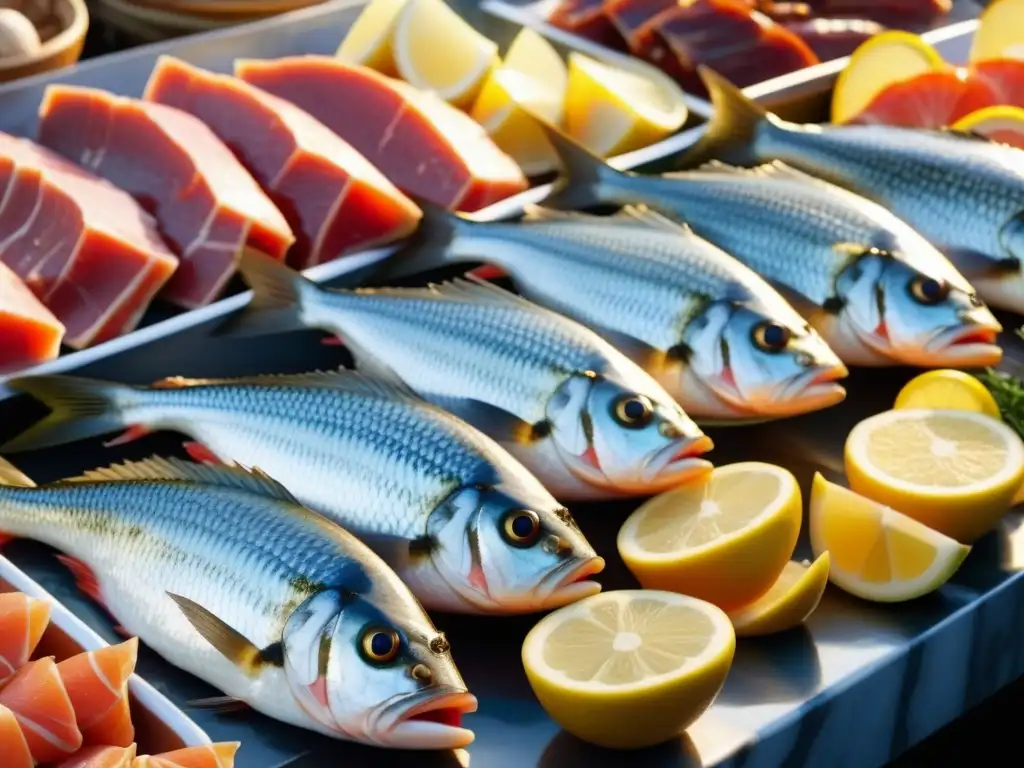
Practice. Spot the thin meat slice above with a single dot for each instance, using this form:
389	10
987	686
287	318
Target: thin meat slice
101	757
23	620
206	756
29	332
208	207
116	726
13	746
37	697
428	148
95	683
335	200
84	247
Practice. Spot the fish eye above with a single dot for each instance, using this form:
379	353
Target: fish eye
633	411
928	290
771	337
521	527
380	645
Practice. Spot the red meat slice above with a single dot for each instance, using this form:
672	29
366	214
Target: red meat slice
208	207
84	247
587	18
333	198
29	333
425	146
832	39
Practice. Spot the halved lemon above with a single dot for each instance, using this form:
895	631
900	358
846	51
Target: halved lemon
436	50
876	552
789	603
1000	33
954	471
1001	123
629	669
947	389
887	58
724	538
611	110
368	41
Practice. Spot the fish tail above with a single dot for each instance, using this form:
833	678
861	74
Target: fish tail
80	408
585	176
279	295
12	476
432	246
732	130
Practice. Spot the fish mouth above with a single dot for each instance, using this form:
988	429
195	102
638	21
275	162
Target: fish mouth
573	582
813	390
433	722
972	346
680	461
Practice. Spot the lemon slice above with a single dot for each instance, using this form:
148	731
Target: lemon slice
368	42
876	552
954	471
724	538
790	601
887	58
534	57
1000	33
949	390
1001	123
629	669
436	50
611	110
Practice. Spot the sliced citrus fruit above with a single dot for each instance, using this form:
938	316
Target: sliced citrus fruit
876	552
947	389
930	100
885	59
1004	77
611	110
1000	33
504	110
368	41
436	50
790	601
631	668
1002	124
534	57
724	538
954	471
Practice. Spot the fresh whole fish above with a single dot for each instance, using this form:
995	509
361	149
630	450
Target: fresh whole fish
586	420
464	524
224	574
878	292
962	192
720	339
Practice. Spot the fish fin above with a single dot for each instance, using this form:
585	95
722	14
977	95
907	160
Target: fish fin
652	218
487	272
478	291
130	435
11	475
651	359
583	172
232	644
972	264
776	169
733	126
804	305
85	578
489	419
80	408
278	296
338	378
253	480
200	454
219	704
432	246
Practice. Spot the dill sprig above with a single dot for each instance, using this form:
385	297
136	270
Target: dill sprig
1008	392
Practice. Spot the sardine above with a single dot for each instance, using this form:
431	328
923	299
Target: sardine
586	420
225	575
464	524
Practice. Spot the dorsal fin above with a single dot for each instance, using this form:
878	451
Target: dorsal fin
342	379
535	212
469	289
775	169
170	469
651	218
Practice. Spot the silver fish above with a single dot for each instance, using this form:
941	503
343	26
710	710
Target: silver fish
464	524
587	421
965	194
225	575
876	290
720	340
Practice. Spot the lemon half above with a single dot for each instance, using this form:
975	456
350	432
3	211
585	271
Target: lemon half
368	42
947	389
1000	33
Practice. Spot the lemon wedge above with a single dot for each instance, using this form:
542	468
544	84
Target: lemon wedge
724	538
876	552
535	58
1000	33
954	471
947	389
368	42
612	110
436	50
1000	123
789	602
887	58
631	668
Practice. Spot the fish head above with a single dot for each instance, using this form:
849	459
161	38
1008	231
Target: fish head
375	671
510	550
625	433
754	361
915	316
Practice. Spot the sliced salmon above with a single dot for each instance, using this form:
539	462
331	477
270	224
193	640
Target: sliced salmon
84	247
335	200
115	727
13	746
23	620
29	332
207	756
424	145
38	699
95	682
101	757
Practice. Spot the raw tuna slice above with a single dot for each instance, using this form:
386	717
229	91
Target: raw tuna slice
84	247
23	620
424	145
37	697
101	757
13	746
206	204
334	199
95	681
29	333
206	756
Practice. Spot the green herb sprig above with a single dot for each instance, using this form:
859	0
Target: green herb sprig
1008	392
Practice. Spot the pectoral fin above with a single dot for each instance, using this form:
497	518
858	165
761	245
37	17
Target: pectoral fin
499	424
220	704
231	643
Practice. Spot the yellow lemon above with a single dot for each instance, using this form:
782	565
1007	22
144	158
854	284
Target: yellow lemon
876	552
1000	33
436	50
629	669
947	389
535	58
1000	123
790	601
724	538
368	41
954	471
887	58
611	110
